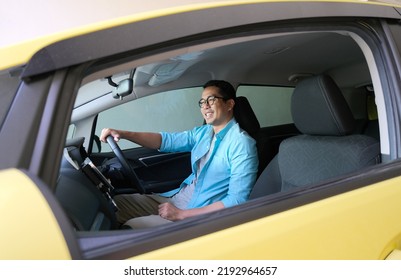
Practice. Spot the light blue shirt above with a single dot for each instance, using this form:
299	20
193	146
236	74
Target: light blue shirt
229	174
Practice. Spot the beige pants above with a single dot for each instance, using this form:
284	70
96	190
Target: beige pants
139	211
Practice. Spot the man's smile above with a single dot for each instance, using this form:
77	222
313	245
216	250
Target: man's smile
209	114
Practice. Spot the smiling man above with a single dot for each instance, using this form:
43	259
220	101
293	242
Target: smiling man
223	158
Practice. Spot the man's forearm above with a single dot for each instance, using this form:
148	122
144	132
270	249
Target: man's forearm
203	210
145	139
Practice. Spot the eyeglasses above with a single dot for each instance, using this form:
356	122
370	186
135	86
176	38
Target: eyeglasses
210	101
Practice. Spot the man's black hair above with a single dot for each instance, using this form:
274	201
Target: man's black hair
225	88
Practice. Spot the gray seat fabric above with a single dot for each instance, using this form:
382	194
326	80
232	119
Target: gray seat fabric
326	149
248	121
246	117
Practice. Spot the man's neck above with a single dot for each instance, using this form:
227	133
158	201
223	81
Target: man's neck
220	127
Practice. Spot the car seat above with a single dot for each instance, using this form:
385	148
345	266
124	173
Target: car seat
326	147
245	116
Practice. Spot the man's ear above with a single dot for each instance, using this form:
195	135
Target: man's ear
231	104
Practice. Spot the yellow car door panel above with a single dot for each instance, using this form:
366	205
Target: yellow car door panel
33	230
353	225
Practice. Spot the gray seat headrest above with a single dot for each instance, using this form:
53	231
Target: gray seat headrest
319	108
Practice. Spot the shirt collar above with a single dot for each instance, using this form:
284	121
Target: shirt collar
224	131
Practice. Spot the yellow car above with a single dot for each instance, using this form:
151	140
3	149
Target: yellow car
321	88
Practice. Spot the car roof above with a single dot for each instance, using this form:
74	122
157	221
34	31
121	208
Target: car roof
49	25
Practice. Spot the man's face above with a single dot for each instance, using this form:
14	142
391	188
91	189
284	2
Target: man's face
217	112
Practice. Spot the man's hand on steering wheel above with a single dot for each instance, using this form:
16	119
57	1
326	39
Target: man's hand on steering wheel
111	136
112	132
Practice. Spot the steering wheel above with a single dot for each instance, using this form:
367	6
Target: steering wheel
127	170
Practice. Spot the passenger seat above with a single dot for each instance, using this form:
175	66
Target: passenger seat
327	146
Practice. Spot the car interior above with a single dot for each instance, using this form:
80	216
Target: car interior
306	96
